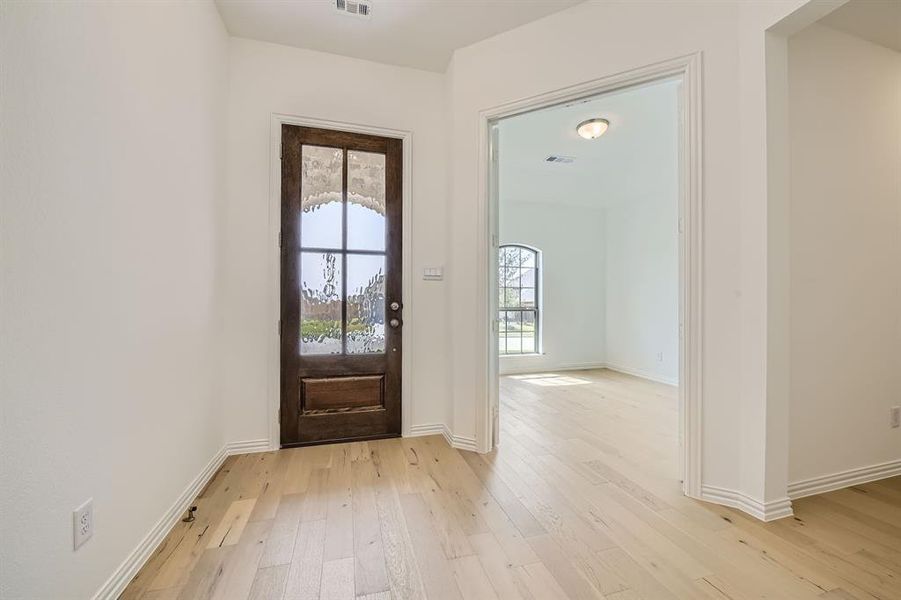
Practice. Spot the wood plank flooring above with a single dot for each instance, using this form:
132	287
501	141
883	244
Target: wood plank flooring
580	501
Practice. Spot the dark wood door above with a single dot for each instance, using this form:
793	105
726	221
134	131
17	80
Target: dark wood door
341	307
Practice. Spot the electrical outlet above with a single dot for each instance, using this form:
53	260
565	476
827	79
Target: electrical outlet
896	416
660	357
83	523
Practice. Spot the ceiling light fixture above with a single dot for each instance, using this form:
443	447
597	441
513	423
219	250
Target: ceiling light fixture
592	128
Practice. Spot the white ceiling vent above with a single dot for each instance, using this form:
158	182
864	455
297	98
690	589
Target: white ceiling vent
354	8
556	158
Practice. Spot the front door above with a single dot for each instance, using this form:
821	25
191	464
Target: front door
340	286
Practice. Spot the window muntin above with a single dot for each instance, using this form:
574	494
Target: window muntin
518	300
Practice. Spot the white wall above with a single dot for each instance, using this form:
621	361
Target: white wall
571	241
642	287
845	124
642	248
266	79
112	169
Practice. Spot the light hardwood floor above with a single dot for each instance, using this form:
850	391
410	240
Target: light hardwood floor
580	501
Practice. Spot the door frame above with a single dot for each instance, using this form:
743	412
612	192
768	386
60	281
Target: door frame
274	260
691	221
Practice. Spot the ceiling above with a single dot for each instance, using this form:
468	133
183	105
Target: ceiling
413	33
877	21
636	159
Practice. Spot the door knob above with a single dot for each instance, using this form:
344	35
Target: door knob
394	323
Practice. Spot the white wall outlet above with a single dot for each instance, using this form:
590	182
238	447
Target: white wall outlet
83	523
896	416
660	357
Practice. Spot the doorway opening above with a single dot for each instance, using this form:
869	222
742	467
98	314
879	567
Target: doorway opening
593	277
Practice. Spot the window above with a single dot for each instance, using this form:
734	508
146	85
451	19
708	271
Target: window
518	298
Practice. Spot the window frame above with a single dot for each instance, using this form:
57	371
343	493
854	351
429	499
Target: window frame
536	310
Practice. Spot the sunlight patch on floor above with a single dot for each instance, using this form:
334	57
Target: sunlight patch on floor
550	379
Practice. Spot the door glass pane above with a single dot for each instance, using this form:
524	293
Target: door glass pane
320	303
365	200
365	303
320	197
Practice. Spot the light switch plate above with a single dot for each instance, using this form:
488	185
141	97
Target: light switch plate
433	273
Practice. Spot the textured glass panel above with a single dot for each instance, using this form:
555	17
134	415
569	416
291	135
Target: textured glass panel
365	200
365	304
321	199
528	332
320	303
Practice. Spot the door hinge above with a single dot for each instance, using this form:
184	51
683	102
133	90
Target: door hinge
279	327
279	239
494	241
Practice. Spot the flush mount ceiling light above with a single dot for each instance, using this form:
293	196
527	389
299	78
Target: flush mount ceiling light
592	129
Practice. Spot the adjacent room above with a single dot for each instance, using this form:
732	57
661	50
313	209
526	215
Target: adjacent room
450	300
588	274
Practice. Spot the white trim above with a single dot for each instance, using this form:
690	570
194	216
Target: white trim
674	381
136	559
765	511
430	429
843	479
528	370
275	213
250	446
459	442
691	267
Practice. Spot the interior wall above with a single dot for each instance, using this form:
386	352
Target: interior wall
111	160
571	241
642	248
266	79
845	125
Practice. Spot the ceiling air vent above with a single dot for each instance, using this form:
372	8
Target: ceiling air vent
556	158
354	8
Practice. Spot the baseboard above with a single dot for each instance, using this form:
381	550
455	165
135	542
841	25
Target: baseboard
843	479
765	511
117	583
454	441
642	374
249	447
548	368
